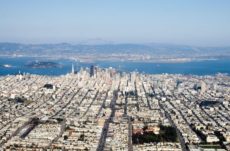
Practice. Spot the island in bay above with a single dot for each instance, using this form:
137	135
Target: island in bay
43	64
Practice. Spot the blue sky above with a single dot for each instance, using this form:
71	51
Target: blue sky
192	22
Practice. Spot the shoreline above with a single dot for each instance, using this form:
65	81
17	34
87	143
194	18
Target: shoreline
159	60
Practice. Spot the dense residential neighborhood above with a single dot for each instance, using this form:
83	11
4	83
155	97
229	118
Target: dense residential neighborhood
103	109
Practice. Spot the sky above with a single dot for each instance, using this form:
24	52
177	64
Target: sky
190	22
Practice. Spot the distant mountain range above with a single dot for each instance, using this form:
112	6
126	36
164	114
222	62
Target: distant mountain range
150	52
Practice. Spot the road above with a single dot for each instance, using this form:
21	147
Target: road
136	97
130	144
17	131
63	126
146	97
102	105
106	124
70	100
181	139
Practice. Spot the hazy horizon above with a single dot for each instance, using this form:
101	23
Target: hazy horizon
194	23
90	43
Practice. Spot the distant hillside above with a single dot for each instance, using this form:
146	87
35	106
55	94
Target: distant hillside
150	50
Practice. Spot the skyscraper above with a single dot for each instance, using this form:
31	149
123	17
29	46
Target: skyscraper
92	71
72	69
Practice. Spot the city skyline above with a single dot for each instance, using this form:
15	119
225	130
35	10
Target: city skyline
117	75
103	109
